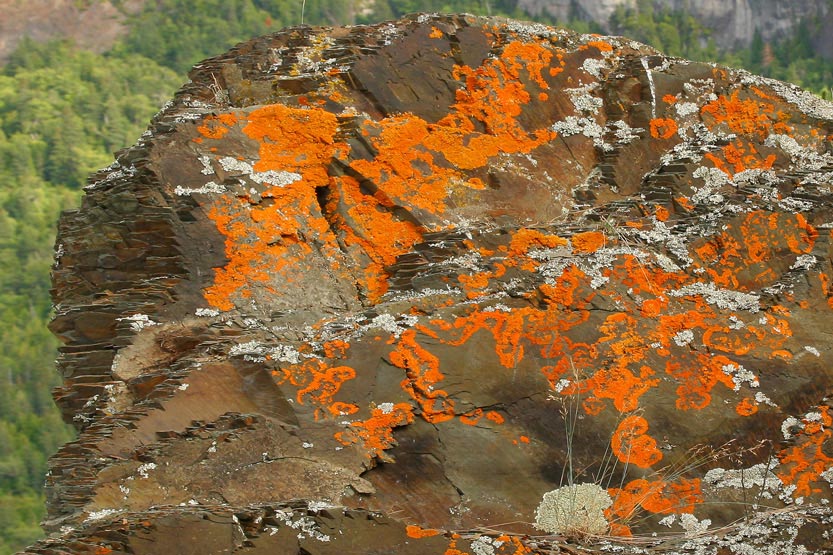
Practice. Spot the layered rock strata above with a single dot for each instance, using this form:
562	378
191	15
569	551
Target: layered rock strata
380	289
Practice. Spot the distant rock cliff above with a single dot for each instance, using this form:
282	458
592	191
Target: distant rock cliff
93	26
733	23
381	289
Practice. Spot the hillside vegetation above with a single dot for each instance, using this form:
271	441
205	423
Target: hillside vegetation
64	111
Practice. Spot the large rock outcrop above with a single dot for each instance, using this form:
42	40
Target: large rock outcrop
380	289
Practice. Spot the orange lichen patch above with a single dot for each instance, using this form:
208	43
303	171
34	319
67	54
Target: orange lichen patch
570	291
342	409
601	45
505	327
621	336
739	256
417	532
512	545
619	530
264	241
216	127
493	96
335	348
619	385
295	140
404	167
376	433
658	497
373	229
684	203
739	156
452	547
662	213
495	417
632	445
697	380
587	242
474	284
318	383
435	33
525	240
670	99
663	128
651	308
747	407
471	418
423	374
744	116
803	463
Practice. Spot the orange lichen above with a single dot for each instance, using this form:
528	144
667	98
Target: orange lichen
696	382
663	128
744	116
747	406
632	445
376	433
336	348
216	127
670	99
264	241
495	417
524	240
342	409
269	240
658	497
471	418
512	545
587	242
493	97
318	384
739	156
417	532
619	385
435	33
739	256
803	463
404	167
370	227
423	374
601	45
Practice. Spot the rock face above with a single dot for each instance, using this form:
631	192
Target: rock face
379	289
732	24
93	26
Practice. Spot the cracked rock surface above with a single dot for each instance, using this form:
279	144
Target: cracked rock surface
379	289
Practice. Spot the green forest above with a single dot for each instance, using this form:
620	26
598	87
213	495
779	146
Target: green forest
64	111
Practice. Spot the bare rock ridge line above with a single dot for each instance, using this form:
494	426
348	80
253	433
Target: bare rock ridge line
380	289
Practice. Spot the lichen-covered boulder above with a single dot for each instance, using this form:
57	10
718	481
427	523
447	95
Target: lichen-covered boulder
379	289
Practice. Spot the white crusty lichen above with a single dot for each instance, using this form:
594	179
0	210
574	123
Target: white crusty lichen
722	298
761	477
305	525
484	545
210	187
138	321
103	513
576	510
272	177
